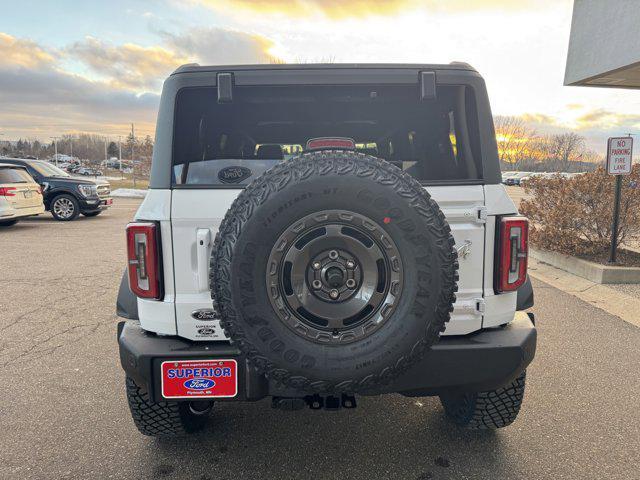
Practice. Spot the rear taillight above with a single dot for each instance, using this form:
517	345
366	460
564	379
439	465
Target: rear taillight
143	255
512	253
7	191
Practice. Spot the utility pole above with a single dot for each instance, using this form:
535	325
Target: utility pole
120	155
55	147
133	163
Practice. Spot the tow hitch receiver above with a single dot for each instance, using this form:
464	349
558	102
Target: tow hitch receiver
315	402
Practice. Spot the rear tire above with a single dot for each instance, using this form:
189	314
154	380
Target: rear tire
8	223
486	410
163	419
65	208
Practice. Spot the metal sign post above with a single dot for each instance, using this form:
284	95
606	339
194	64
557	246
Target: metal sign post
619	157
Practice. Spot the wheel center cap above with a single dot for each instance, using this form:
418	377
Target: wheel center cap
334	277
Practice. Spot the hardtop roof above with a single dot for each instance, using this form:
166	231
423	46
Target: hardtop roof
194	67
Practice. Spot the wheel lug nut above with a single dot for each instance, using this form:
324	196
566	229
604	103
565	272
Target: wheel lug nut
350	264
351	283
333	254
317	284
334	294
317	265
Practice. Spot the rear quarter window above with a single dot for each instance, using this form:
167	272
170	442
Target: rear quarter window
14	175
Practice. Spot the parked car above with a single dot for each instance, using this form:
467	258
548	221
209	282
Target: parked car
65	196
20	195
335	273
526	178
514	179
87	171
506	175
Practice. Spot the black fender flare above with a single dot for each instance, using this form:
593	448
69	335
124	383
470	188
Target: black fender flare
525	295
127	302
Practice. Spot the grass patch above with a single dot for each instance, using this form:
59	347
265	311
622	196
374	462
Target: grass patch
128	183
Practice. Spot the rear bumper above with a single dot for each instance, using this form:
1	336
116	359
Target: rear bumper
481	361
11	213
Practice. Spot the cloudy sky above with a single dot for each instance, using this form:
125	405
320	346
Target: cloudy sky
95	66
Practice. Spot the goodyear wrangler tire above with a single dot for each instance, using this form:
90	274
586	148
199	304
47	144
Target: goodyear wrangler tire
334	272
163	419
486	410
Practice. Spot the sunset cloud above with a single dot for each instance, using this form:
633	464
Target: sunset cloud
116	84
39	97
16	52
605	119
360	8
220	46
129	65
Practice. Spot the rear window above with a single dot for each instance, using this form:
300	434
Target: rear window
219	144
14	175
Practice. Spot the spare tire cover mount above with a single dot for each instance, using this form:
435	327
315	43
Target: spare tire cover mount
334	276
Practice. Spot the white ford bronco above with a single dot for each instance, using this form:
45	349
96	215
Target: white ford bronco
314	233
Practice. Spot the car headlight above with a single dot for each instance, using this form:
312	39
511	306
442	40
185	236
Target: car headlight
88	190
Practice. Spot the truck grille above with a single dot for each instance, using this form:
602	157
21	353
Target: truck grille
104	191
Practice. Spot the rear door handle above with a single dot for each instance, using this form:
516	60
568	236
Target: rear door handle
203	239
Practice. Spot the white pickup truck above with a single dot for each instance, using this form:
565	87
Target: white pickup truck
314	233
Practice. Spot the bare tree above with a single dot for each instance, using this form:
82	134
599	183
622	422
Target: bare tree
567	147
515	139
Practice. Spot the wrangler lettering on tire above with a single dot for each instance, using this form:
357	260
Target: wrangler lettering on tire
334	272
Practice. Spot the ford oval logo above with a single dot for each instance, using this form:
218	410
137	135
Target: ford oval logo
204	314
199	383
234	174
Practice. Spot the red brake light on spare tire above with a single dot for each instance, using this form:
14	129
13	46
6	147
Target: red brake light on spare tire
143	258
512	253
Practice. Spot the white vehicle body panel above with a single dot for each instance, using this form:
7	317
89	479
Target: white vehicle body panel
190	218
194	212
159	316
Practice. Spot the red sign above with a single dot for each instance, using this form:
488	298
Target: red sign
619	155
199	378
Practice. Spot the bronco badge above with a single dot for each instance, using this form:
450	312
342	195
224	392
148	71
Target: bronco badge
234	174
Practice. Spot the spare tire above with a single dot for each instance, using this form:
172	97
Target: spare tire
334	272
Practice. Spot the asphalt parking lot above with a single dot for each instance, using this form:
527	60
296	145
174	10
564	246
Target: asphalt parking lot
63	412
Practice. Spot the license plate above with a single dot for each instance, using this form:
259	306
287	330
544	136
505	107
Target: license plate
199	378
108	201
28	194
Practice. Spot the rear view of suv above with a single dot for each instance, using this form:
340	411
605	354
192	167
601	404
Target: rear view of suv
20	195
313	233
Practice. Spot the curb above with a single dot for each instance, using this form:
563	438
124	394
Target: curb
593	272
607	298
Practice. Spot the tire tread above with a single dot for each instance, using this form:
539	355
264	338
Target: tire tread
296	170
